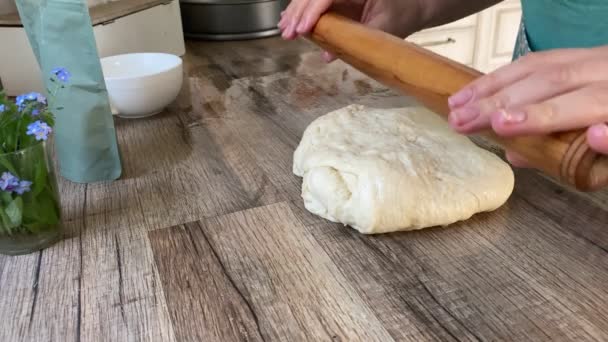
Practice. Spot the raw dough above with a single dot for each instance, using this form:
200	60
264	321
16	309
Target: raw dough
385	170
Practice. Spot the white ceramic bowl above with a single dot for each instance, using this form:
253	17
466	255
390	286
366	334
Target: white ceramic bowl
142	84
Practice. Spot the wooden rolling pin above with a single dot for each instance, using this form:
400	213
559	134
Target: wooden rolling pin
431	79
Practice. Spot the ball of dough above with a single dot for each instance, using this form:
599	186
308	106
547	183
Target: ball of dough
386	170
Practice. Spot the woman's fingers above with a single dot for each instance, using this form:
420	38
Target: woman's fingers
540	95
469	119
292	17
465	115
534	88
489	84
580	108
311	15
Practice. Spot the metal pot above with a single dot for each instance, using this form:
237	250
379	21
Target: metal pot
231	19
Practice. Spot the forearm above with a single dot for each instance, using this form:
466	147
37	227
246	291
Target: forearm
438	12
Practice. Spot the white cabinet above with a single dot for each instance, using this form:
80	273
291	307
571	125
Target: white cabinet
496	34
455	40
456	43
484	41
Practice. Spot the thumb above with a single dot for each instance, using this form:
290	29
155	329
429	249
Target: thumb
597	137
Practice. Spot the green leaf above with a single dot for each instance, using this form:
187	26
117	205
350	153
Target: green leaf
30	211
48	117
14	211
49	210
6	198
8	165
44	209
40	179
5	221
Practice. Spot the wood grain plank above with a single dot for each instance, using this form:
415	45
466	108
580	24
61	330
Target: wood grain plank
269	146
40	295
556	203
18	275
258	250
258	188
203	302
410	305
72	196
121	294
178	169
54	313
101	283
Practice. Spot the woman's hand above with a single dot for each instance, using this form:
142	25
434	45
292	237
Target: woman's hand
392	16
540	93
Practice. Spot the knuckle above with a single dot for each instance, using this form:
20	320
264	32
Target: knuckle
482	86
563	75
501	101
493	103
493	78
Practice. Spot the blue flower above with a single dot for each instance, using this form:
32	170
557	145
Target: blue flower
23	187
40	99
20	100
33	96
39	129
8	182
2	108
35	111
62	74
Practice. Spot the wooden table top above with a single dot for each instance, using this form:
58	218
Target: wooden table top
205	237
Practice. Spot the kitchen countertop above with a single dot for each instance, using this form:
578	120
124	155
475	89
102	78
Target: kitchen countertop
205	237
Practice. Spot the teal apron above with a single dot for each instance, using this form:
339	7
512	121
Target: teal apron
555	24
61	35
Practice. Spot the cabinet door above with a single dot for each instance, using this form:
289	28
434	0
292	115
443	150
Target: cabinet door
454	40
496	34
457	44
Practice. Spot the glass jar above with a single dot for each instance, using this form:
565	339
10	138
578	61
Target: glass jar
30	211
